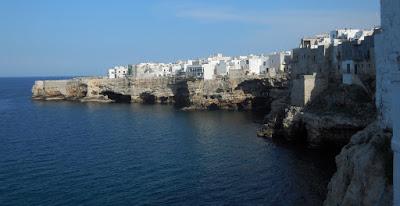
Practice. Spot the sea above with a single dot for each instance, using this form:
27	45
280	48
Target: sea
71	153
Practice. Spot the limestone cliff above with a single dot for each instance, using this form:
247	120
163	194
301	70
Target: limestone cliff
341	116
364	170
59	90
229	94
330	119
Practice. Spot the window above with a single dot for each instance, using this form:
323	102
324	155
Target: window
348	68
355	68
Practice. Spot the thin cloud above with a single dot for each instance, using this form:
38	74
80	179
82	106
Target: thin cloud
288	19
279	30
215	15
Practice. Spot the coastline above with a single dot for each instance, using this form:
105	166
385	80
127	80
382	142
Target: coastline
326	122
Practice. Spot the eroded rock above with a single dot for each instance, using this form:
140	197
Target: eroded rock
364	170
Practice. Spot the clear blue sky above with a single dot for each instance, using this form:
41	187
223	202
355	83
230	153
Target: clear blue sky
85	37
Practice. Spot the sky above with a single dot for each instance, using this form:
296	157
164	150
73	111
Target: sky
86	37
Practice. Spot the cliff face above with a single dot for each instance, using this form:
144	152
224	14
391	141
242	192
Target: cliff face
331	119
59	90
364	173
236	94
341	117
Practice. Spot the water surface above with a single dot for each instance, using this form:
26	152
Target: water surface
63	153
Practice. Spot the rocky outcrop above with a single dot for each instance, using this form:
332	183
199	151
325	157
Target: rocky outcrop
236	94
341	117
273	122
329	120
364	170
59	90
331	130
227	94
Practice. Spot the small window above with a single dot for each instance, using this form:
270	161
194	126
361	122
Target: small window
348	68
355	69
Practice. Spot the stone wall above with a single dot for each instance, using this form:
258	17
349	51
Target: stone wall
305	88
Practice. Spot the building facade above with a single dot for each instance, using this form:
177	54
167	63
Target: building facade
387	55
118	72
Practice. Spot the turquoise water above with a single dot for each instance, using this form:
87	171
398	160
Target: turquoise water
63	153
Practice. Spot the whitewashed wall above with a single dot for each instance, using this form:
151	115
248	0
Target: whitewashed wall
387	54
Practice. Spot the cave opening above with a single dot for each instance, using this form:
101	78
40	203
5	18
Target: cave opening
148	98
117	97
181	95
213	107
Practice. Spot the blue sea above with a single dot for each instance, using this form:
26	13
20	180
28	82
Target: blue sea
68	153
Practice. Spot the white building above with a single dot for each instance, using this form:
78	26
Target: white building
117	72
111	74
255	64
209	68
276	62
195	70
348	71
387	56
201	70
340	35
222	68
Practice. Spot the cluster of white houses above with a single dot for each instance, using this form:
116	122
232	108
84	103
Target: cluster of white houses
344	54
209	68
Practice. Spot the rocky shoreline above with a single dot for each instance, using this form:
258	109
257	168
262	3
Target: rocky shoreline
341	117
187	94
330	119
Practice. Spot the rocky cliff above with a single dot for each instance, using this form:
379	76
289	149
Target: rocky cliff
341	117
330	120
364	170
230	94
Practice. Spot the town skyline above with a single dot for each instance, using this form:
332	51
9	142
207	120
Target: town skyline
73	38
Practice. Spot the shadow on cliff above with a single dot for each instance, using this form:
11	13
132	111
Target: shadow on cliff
181	94
148	98
117	97
343	101
259	89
